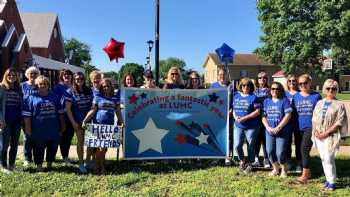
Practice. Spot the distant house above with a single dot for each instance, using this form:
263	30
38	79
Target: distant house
31	39
244	65
15	50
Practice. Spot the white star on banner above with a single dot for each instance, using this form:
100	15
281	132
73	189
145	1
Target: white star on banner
150	137
202	138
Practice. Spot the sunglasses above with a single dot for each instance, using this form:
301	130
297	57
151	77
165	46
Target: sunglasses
331	88
195	78
245	85
262	77
303	83
275	89
292	81
174	73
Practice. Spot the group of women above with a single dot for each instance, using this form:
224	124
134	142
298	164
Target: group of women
267	116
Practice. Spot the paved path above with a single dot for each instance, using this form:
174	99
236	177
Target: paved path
112	152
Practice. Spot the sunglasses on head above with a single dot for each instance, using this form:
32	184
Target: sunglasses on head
331	88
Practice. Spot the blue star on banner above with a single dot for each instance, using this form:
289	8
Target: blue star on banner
213	97
143	95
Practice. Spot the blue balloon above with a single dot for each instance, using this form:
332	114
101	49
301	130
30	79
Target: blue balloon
225	53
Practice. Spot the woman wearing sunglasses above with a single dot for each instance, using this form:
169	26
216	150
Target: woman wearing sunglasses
292	89
246	111
262	92
174	79
277	112
78	101
329	124
304	102
194	81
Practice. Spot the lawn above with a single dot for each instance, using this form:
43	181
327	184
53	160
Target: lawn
159	179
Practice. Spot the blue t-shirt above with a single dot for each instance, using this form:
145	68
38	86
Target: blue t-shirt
44	112
60	90
325	108
13	107
244	105
275	111
305	106
217	85
81	103
262	94
95	91
290	96
106	108
28	89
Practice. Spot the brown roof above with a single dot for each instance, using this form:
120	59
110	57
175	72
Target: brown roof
279	74
241	60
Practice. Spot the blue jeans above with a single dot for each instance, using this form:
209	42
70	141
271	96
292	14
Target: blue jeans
239	136
276	146
10	138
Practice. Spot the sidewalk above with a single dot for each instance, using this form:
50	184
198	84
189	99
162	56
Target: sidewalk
112	152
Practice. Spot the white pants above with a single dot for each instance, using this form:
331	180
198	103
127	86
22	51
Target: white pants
328	160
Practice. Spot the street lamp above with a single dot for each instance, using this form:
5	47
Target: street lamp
148	58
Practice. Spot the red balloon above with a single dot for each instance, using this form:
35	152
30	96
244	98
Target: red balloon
114	49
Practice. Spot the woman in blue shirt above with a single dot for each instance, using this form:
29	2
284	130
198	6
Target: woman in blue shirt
10	117
66	80
262	92
292	89
44	122
246	111
305	102
28	88
78	101
277	113
104	108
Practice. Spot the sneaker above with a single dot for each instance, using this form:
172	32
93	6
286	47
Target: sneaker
325	184
256	162
39	169
330	187
89	165
289	165
67	162
4	170
298	169
49	166
267	163
82	169
228	162
248	169
26	163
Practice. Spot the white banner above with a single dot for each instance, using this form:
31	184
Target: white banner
102	136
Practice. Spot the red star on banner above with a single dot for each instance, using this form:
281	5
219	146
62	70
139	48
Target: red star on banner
221	102
133	99
181	139
205	125
178	122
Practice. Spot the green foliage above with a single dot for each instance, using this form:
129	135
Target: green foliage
88	69
161	179
297	32
165	65
112	74
133	68
81	52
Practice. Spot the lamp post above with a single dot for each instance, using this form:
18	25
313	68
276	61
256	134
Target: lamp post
157	42
148	58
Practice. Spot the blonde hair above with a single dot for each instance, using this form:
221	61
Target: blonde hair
329	83
179	80
41	78
305	76
247	81
93	74
31	69
6	84
288	78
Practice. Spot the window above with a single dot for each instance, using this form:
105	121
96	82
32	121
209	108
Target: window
243	73
347	86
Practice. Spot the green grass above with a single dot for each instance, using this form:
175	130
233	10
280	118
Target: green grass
341	96
158	179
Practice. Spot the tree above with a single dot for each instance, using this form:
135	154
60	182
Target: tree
112	74
77	52
88	69
133	68
296	33
165	65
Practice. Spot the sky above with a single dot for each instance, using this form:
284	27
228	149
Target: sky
189	29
